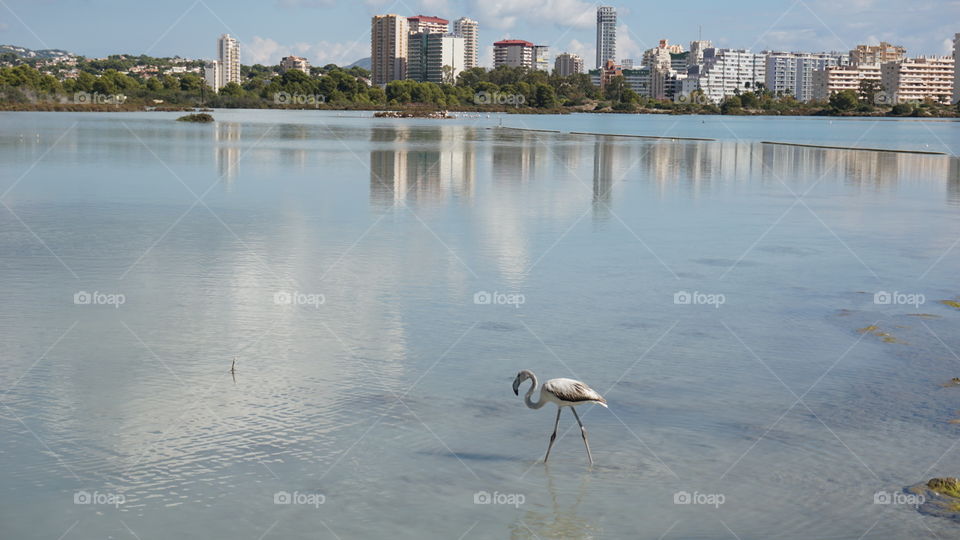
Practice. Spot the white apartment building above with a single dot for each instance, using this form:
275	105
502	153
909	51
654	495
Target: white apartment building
389	36
918	79
606	35
696	52
469	30
212	74
226	69
792	73
725	72
541	58
436	58
839	78
513	53
568	64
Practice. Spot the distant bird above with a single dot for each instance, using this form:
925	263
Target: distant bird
564	393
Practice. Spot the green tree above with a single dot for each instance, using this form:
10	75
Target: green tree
869	90
545	97
844	101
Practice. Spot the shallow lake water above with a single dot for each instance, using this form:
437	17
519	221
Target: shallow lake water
379	283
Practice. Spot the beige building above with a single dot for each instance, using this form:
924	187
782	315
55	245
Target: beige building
839	78
918	79
568	64
295	62
389	35
468	29
877	54
513	53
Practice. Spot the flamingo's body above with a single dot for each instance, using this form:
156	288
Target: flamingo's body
562	393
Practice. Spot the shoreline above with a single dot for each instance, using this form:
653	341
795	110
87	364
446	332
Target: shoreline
425	111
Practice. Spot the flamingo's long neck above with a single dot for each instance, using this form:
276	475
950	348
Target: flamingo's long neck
533	387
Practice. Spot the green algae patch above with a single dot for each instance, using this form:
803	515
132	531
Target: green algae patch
884	336
952	303
938	497
200	118
923	315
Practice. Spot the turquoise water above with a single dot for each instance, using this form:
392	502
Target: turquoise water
339	259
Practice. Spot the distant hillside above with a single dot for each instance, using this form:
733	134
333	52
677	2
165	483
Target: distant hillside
23	52
365	63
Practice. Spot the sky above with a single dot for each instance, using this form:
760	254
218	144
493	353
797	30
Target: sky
338	31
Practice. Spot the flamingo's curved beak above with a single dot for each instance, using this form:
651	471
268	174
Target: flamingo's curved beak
516	386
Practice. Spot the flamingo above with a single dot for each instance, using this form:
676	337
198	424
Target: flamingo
564	393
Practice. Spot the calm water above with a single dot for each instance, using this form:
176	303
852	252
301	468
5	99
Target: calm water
339	260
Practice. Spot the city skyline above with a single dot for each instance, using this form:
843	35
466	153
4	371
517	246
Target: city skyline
331	31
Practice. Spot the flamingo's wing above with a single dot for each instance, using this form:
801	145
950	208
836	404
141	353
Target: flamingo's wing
573	391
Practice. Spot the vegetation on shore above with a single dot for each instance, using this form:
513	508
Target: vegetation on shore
100	86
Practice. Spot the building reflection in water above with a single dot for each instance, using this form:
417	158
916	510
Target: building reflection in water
421	176
516	155
604	156
226	138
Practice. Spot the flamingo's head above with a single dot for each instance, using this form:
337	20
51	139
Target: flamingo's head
522	376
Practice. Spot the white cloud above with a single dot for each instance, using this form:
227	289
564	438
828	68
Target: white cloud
269	52
505	14
627	46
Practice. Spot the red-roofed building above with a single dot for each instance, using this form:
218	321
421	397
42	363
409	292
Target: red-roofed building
428	25
513	53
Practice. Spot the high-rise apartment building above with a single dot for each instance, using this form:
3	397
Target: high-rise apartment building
956	68
568	64
696	52
877	54
468	29
918	79
725	72
422	24
792	73
541	58
226	69
389	35
513	53
606	35
434	57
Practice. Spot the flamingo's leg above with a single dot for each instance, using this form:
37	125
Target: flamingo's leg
554	436
583	431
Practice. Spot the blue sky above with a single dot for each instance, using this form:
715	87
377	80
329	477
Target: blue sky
338	30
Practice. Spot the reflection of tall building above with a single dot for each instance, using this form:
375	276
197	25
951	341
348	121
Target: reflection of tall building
603	176
953	182
227	147
420	176
517	156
